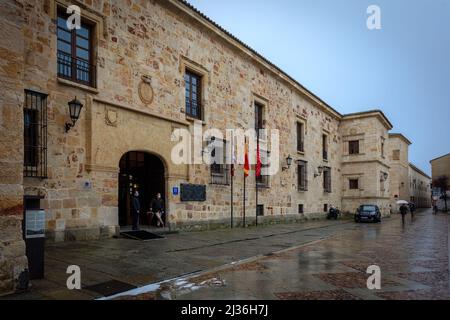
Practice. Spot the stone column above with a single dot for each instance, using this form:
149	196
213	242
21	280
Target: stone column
13	262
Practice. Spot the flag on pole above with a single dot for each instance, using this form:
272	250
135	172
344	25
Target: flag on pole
246	162
258	162
233	156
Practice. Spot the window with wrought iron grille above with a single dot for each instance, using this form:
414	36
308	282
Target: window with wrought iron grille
262	181
327	179
302	176
35	134
220	171
193	94
75	52
300	137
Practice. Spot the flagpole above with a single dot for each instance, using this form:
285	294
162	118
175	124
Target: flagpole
232	202
256	178
245	178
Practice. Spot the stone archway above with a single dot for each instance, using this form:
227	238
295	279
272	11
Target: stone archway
146	173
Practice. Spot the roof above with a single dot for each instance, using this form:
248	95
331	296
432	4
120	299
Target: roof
419	171
401	136
369	113
231	38
448	154
254	52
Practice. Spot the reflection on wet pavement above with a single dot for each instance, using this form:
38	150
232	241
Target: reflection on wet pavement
413	259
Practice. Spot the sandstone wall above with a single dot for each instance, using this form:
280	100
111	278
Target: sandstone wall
13	262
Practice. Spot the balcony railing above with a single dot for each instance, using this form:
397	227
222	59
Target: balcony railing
75	69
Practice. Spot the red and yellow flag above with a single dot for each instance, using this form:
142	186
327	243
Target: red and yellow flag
258	162
246	162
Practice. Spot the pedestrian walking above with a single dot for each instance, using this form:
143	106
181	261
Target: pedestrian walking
403	211
412	208
136	209
157	207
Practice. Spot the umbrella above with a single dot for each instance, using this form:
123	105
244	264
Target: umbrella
402	202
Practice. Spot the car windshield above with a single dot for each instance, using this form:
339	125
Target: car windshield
368	208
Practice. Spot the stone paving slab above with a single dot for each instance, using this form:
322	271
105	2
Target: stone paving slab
414	261
140	263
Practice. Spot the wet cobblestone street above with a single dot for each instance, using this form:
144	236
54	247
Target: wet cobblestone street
413	259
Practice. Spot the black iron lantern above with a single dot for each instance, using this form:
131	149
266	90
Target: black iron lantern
75	107
289	161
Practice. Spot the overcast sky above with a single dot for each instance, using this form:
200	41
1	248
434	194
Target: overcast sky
402	69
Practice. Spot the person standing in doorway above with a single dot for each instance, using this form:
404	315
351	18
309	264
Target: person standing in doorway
157	207
136	209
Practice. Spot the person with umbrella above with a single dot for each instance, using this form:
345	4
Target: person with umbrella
403	209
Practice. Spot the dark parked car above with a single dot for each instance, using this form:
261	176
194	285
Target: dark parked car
368	212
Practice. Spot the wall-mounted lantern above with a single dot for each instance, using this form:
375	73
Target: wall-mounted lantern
288	162
319	172
75	107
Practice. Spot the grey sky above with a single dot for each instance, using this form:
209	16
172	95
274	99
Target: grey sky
403	69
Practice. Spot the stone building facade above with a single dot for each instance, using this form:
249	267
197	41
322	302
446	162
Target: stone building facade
397	152
130	66
440	167
420	187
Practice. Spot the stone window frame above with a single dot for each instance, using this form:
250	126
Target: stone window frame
99	28
353	137
303	122
355	176
325	143
302	182
396	155
352	185
264	103
189	65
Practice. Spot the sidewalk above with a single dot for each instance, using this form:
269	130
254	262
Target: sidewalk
136	263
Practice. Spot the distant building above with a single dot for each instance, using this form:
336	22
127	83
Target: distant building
440	167
420	187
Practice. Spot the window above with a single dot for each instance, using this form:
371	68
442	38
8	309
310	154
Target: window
353	184
259	117
75	54
302	176
325	207
260	210
300	137
35	134
382	147
193	95
219	168
396	155
300	209
327	179
353	147
325	147
263	180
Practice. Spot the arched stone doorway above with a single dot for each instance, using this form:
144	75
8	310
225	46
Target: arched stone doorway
144	172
